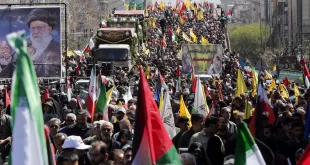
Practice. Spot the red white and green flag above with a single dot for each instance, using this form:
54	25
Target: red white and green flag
29	144
86	51
247	152
91	97
151	143
102	99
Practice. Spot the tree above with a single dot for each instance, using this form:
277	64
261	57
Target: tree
246	40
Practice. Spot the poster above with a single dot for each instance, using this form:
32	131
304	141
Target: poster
292	75
206	59
43	30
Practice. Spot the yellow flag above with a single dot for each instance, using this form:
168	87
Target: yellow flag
275	67
154	25
126	6
178	30
186	38
187	4
184	111
213	80
146	12
147	72
192	7
192	34
283	91
150	22
241	87
272	85
268	76
205	100
204	41
161	101
147	52
181	21
296	93
248	111
200	15
134	7
161	6
254	83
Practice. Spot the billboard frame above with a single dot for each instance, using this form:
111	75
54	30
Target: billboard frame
61	6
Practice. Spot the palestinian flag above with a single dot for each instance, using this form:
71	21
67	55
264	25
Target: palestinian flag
263	107
247	152
29	143
151	142
86	51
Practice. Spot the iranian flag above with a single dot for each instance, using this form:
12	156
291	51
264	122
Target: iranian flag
151	142
91	97
247	152
29	143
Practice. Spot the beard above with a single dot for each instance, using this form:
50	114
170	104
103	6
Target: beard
40	40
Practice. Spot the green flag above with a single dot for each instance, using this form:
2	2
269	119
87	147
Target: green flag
102	100
247	152
29	143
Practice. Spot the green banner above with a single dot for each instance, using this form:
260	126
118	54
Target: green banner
292	75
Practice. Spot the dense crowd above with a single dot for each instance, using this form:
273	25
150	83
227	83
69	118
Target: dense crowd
210	141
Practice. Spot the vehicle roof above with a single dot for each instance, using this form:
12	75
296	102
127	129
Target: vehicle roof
82	81
130	12
203	75
115	29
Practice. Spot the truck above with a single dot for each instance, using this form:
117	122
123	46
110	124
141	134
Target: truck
114	48
130	19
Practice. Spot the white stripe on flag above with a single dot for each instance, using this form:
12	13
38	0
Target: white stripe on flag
27	149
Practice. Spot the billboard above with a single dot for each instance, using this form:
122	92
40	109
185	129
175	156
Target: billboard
207	59
292	75
43	30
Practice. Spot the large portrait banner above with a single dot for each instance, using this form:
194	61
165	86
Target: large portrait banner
43	30
204	59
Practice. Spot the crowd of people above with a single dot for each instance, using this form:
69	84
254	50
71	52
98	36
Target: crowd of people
210	141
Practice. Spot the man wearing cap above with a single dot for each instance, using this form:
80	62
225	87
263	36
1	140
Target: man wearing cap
119	114
46	50
76	145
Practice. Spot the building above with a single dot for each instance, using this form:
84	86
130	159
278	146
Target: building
291	25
